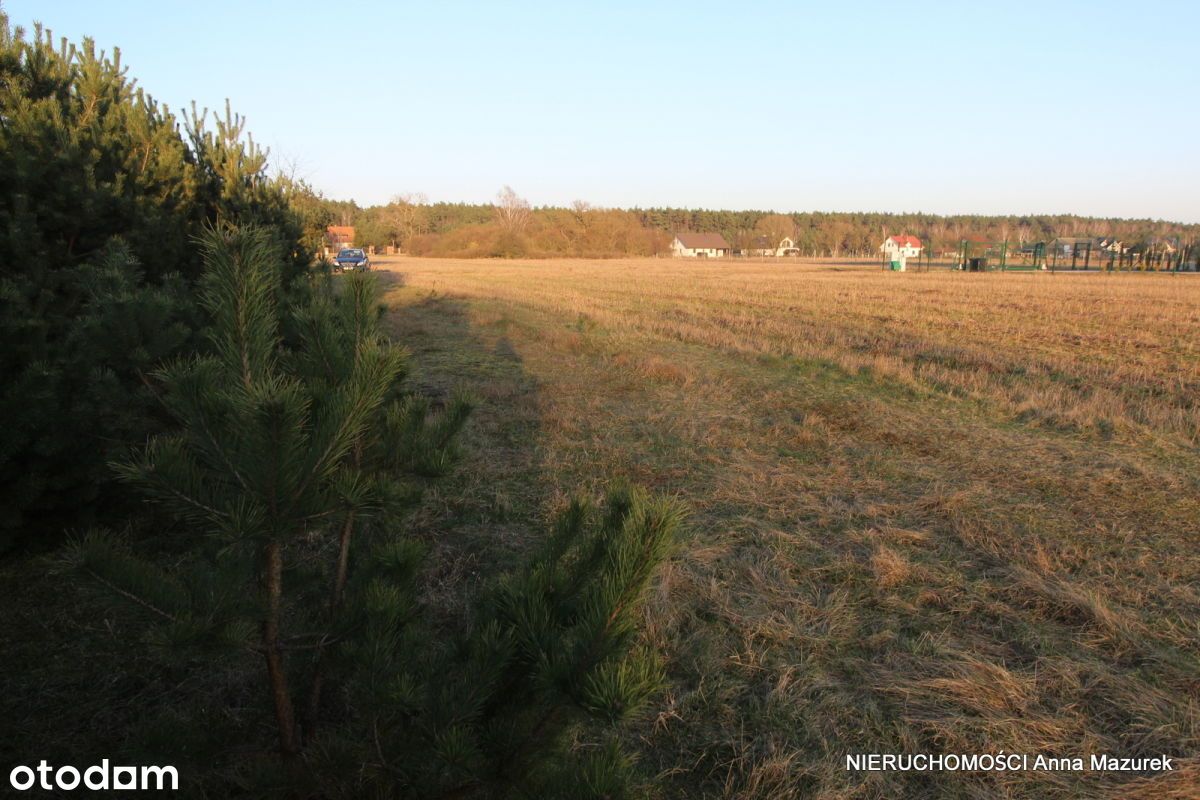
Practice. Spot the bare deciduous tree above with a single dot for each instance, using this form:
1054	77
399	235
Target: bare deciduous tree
581	209
406	214
937	231
512	210
775	227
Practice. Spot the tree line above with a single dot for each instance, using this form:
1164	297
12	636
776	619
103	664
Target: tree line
209	440
414	225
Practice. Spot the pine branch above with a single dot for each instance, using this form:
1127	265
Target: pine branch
171	491
129	595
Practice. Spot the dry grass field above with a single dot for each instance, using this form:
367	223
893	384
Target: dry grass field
930	512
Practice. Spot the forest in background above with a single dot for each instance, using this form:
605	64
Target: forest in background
512	228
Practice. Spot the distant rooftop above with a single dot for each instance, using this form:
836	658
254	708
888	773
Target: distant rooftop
702	241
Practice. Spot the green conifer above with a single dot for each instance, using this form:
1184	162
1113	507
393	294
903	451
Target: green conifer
295	455
101	196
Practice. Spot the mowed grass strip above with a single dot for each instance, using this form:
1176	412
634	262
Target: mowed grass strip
930	512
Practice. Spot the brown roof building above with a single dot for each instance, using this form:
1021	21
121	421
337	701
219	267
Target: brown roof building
339	236
699	245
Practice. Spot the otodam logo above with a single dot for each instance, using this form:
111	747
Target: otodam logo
102	777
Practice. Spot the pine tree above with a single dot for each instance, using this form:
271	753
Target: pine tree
101	196
295	458
549	649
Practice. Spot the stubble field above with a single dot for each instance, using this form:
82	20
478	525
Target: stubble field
930	512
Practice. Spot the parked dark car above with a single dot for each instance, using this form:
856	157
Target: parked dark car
352	258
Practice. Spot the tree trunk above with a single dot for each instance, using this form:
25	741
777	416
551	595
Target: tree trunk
343	563
335	600
285	716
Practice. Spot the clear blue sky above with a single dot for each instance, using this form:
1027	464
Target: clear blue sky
951	107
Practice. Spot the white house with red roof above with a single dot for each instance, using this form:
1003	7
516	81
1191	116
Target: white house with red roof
901	248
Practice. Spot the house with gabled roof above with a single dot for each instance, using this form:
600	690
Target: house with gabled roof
339	236
699	245
898	248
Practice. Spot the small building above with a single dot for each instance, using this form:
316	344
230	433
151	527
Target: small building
339	236
699	245
898	249
1070	245
1165	246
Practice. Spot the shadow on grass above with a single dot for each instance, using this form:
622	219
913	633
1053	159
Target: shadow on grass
479	519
